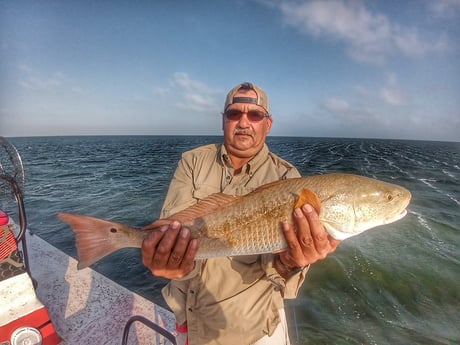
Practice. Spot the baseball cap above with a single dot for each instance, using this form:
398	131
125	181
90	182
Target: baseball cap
262	98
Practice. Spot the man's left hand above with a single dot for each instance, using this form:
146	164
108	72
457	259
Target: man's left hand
310	243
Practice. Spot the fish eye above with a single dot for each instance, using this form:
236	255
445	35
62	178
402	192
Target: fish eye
389	197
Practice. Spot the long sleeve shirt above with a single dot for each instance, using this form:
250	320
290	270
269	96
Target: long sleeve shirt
227	300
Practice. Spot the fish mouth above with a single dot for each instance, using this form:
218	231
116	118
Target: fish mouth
402	214
397	217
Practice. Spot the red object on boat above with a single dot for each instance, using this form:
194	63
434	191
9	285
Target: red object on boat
33	328
25	320
7	245
3	218
183	330
7	240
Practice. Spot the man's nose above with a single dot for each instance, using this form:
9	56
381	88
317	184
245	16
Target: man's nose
244	121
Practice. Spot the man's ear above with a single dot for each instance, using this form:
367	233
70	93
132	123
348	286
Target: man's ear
270	123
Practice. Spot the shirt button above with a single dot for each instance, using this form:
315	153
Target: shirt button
190	309
192	291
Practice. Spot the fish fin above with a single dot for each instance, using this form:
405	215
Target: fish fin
308	197
92	237
202	208
270	185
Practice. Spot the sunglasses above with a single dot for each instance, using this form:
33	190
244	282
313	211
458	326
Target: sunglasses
253	115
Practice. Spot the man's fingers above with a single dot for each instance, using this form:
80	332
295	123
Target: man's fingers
304	235
309	243
150	243
168	251
334	243
290	236
179	248
168	240
188	260
157	247
294	256
317	231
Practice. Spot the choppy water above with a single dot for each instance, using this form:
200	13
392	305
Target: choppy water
397	284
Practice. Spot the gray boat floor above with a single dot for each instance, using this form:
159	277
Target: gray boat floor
85	306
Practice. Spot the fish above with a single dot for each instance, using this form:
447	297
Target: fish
226	225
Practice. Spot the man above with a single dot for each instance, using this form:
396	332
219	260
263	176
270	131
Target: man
233	300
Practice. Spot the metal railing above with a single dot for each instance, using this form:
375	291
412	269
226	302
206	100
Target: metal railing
169	336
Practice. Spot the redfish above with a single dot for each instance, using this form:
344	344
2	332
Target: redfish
229	226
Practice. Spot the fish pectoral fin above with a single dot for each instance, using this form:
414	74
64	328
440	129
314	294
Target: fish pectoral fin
308	197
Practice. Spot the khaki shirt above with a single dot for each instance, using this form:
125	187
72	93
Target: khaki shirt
227	300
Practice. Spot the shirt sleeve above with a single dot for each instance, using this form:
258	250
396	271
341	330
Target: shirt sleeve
294	283
291	173
289	288
180	192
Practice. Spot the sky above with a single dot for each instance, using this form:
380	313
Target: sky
360	69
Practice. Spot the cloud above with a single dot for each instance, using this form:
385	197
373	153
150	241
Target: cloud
444	9
367	111
161	91
195	95
336	105
392	94
40	83
30	79
367	36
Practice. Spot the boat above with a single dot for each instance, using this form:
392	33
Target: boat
45	299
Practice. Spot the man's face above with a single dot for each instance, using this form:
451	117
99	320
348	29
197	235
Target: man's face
244	136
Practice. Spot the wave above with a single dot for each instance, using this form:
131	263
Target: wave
398	270
430	183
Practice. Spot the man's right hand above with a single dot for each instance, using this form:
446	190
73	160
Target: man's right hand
169	252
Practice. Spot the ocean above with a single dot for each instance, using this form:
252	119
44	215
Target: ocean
397	284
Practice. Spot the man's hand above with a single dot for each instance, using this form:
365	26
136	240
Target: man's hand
168	251
310	243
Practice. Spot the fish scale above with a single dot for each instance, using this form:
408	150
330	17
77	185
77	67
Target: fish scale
252	231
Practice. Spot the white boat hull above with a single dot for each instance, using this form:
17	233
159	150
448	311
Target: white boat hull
85	306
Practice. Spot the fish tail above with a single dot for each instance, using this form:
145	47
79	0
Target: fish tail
92	237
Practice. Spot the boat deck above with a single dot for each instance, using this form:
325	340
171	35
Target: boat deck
85	306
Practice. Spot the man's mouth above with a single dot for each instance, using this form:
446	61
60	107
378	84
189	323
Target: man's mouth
243	132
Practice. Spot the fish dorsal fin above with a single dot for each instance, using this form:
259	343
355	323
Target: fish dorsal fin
204	207
269	185
308	197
